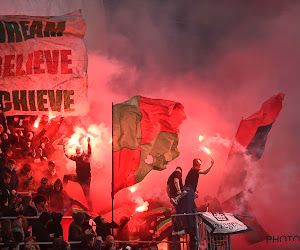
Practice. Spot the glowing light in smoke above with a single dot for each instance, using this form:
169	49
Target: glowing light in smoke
37	122
201	137
51	116
205	149
132	189
142	208
110	141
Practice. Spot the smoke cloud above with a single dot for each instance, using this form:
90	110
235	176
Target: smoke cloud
221	61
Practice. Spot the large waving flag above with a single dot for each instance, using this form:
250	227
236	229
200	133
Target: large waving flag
248	147
145	137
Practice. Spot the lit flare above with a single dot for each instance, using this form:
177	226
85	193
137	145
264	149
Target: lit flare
205	149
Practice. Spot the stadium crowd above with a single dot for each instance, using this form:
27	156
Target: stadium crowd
32	205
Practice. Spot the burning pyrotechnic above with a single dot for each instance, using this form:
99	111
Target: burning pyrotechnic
205	149
201	137
51	116
143	208
37	122
132	189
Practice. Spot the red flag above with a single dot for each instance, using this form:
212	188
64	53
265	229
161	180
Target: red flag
145	137
248	146
250	141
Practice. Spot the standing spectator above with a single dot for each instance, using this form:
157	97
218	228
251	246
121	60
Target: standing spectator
40	204
12	209
191	183
6	231
174	188
86	223
6	155
18	231
24	225
39	228
103	228
5	141
28	206
45	189
54	226
5	190
11	169
75	231
50	173
42	151
58	197
26	181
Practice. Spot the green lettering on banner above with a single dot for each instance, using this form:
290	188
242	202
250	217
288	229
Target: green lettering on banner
36	29
68	101
2	33
55	101
31	96
6	96
41	100
54	31
20	100
13	32
24	27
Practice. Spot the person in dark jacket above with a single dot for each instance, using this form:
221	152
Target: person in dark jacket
28	206
45	189
5	190
83	171
18	231
103	228
11	169
54	226
90	242
75	231
39	228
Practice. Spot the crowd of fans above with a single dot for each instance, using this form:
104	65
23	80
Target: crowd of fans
23	195
32	198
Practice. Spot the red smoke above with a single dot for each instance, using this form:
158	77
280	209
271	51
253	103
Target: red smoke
221	61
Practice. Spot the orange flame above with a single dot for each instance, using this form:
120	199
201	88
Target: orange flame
201	137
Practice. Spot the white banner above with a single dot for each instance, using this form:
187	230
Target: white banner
223	223
43	65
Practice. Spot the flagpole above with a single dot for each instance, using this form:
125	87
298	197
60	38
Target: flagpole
112	167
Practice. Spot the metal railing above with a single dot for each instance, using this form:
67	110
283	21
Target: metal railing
203	239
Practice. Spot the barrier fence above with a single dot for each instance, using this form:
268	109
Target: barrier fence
204	240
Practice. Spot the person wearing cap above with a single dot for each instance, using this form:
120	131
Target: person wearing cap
191	183
83	171
50	172
45	189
